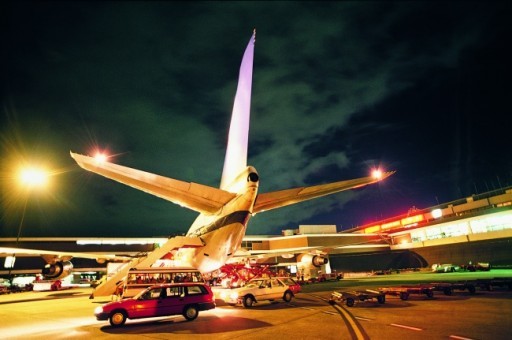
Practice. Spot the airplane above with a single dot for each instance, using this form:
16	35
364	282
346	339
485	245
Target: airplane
224	212
58	264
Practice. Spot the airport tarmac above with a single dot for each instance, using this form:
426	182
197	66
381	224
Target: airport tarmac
483	315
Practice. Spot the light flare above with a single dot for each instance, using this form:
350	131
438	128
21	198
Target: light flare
100	158
377	173
33	177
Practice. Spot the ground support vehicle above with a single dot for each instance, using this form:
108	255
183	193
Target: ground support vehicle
448	287
405	291
351	297
139	279
445	268
46	285
490	284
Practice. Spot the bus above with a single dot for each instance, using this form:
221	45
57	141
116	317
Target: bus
141	278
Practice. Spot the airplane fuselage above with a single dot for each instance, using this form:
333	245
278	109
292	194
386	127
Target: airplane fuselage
222	232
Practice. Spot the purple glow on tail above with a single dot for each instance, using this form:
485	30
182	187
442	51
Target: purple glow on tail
236	153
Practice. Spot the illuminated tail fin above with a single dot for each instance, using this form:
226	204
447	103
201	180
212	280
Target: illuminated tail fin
236	153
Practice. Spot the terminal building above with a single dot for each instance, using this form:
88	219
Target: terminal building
473	229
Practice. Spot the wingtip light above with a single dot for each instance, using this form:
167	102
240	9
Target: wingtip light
377	174
100	158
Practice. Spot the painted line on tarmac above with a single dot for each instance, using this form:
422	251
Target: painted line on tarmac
354	328
363	319
459	337
406	327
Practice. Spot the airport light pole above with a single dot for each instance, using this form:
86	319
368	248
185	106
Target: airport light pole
29	179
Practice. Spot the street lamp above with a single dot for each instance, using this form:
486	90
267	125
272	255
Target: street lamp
33	177
29	178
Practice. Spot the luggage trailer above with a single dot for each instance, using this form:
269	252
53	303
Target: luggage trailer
405	291
351	297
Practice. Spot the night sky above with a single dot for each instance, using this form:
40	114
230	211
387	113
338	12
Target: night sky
423	88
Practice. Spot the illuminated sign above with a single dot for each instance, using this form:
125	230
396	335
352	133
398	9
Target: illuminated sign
412	219
391	225
373	229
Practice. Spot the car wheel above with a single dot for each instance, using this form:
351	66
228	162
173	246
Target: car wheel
287	296
190	312
117	318
381	299
430	294
447	291
471	289
350	302
404	296
248	301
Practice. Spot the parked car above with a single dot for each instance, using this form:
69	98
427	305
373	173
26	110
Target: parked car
479	266
186	299
445	268
258	290
292	284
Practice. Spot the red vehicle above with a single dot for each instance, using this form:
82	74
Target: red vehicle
186	299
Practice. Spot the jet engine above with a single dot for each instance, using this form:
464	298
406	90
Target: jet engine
315	260
57	270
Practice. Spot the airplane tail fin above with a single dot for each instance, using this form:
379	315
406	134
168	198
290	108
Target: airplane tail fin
236	153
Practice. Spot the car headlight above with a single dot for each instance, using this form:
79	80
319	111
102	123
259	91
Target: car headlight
98	310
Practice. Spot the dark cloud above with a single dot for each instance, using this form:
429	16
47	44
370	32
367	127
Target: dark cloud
339	87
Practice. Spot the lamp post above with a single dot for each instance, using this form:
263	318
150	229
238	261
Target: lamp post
29	178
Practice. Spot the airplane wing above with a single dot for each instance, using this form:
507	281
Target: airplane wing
277	199
64	256
285	252
349	241
198	197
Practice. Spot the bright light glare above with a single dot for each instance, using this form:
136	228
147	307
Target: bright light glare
377	174
100	158
436	213
33	177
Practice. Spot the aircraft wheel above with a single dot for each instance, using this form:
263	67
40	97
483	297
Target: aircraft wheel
248	301
117	318
191	312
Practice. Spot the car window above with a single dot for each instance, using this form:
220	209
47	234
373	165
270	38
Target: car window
276	283
152	294
196	290
287	281
175	291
